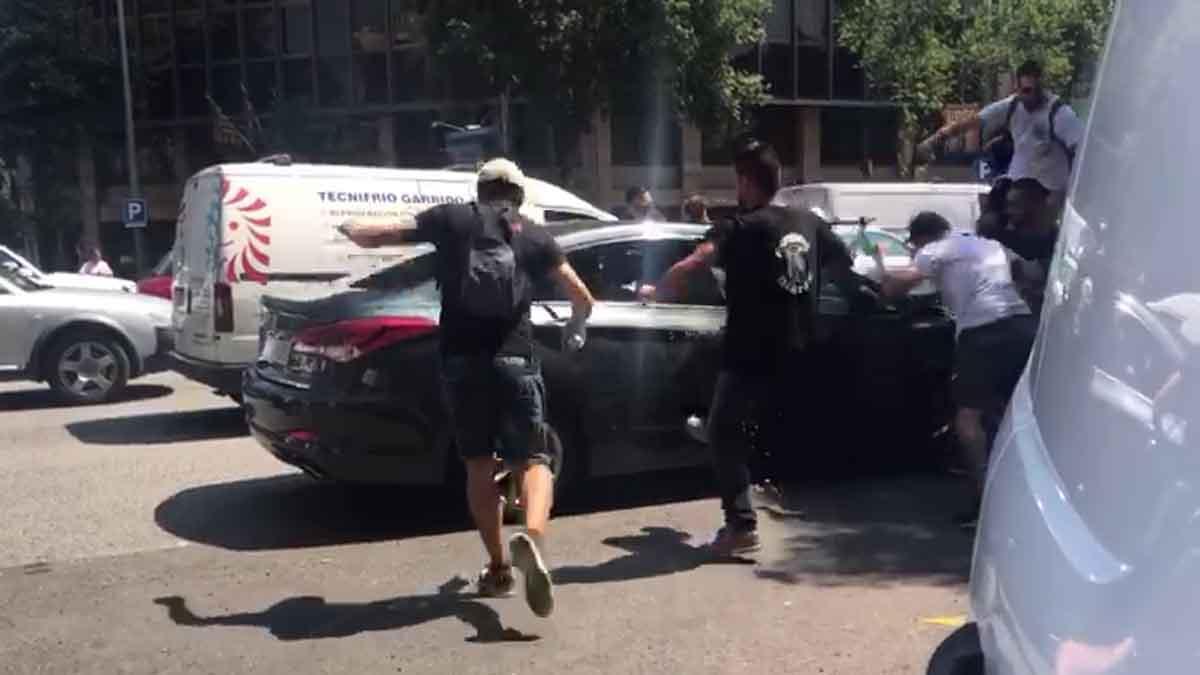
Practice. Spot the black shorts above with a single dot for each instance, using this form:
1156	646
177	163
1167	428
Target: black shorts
989	360
498	408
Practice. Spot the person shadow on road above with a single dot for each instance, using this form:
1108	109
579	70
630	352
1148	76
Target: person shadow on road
312	617
657	551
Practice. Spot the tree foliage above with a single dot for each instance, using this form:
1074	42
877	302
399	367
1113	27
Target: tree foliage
574	58
54	85
920	52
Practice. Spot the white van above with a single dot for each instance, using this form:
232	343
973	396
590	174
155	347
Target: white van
247	228
891	205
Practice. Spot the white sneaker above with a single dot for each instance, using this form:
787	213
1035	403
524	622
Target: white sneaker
539	589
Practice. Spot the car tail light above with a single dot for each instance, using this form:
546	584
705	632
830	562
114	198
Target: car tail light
346	341
222	308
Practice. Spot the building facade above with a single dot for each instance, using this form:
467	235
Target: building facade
353	81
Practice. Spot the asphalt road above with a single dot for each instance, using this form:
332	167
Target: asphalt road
153	536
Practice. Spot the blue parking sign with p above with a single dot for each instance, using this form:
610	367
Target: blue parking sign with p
135	213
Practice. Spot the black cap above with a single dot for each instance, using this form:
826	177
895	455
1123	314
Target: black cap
928	225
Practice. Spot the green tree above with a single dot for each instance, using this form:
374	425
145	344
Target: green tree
920	52
1066	36
573	58
54	86
909	53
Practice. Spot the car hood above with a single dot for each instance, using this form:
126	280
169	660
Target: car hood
72	280
85	301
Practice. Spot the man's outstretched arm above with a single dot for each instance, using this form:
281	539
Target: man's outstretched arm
403	230
675	281
898	283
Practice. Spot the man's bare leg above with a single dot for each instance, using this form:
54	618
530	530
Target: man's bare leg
968	426
537	496
537	493
484	500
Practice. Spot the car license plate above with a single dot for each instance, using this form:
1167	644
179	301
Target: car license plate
276	350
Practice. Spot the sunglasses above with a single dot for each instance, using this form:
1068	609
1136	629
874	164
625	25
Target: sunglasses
1027	91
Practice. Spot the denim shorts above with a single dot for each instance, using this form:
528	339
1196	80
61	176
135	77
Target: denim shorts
498	408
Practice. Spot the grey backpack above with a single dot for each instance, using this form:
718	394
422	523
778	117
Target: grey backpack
492	286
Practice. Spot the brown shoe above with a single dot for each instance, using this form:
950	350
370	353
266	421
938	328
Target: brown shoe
731	543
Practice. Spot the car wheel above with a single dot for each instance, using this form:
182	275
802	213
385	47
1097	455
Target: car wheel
959	654
87	367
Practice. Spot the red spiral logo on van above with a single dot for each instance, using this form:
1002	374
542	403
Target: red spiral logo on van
248	235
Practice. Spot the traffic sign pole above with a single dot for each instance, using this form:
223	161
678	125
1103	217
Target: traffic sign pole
135	181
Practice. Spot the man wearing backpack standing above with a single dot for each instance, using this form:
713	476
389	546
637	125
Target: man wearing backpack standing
774	259
488	261
1045	133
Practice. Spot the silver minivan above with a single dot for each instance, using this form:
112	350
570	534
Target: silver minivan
1087	558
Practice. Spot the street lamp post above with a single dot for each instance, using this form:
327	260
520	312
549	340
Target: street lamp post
135	181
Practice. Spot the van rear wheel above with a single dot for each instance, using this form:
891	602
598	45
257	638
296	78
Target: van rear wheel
959	654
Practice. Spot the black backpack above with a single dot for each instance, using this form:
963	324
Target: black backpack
491	286
1002	146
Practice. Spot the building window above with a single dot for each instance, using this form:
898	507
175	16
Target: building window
333	28
261	85
189	34
368	23
774	124
227	88
223	36
645	133
408	75
261	34
297	28
298	81
156	42
777	51
370	78
333	79
415	140
154	6
158	90
193	86
811	24
854	135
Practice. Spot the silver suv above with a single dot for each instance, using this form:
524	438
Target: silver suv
1088	553
87	344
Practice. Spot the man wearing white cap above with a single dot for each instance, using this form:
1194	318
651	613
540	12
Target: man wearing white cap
490	257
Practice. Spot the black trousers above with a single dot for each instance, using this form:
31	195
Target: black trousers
749	434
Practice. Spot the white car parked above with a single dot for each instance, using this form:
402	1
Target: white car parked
64	279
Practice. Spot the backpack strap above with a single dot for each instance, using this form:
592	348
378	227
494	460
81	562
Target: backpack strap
1054	108
1012	110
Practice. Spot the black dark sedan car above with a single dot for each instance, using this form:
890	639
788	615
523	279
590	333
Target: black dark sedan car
346	387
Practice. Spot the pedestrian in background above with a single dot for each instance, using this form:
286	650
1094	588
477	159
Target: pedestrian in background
93	260
695	210
639	205
489	260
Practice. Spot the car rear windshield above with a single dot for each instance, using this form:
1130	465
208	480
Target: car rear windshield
407	275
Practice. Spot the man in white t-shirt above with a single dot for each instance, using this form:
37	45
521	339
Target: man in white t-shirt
93	261
1045	132
995	327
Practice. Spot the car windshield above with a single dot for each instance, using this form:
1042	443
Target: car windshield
20	277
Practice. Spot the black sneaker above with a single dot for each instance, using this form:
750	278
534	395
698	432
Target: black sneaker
539	589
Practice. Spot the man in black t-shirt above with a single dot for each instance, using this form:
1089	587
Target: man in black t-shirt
489	259
773	258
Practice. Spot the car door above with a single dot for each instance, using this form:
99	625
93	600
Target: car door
637	378
15	327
